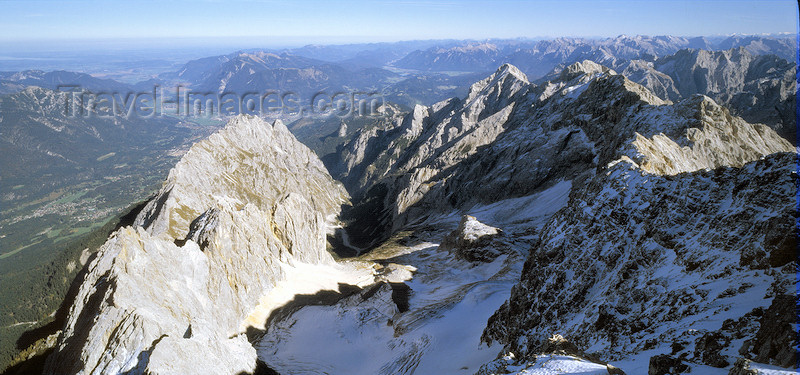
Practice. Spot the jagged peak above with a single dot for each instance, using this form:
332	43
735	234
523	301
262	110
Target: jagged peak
583	67
239	209
704	135
698	100
35	90
637	63
511	69
699	105
237	162
413	121
506	75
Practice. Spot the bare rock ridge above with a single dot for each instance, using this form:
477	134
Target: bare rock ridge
678	236
171	293
509	138
761	88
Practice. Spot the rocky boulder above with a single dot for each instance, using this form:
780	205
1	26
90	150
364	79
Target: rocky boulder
474	241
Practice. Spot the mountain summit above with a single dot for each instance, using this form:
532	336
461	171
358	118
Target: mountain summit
172	293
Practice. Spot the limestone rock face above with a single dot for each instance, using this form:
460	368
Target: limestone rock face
171	294
760	89
509	138
644	73
776	341
249	161
714	139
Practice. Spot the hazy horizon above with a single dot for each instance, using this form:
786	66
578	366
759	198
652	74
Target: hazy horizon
268	42
35	25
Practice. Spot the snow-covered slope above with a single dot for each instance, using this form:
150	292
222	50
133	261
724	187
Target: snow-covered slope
688	265
428	318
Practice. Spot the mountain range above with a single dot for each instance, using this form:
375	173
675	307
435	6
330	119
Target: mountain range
537	59
610	206
652	232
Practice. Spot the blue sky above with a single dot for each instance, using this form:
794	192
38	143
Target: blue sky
358	21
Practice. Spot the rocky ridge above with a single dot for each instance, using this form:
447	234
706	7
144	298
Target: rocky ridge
240	72
458	153
237	210
644	164
759	88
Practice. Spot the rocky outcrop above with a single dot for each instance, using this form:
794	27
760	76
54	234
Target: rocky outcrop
645	74
474	241
171	294
714	139
639	261
776	340
664	364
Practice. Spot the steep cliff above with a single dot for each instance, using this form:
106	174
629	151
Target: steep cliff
171	294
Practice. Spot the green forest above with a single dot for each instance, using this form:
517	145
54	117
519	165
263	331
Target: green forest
43	293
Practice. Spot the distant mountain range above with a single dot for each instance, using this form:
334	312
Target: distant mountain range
536	59
11	82
261	71
424	72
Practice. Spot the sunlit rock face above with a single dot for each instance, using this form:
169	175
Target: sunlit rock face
171	293
679	211
250	161
510	138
